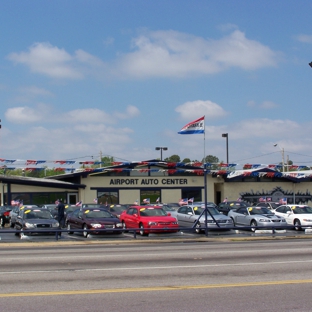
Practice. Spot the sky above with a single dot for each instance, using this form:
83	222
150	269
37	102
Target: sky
117	78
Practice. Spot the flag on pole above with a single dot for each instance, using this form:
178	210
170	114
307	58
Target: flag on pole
79	203
194	127
95	200
146	201
183	201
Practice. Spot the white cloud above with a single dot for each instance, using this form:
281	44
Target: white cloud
36	91
87	115
25	114
131	111
43	58
264	128
264	105
197	109
156	54
304	38
43	113
176	54
268	105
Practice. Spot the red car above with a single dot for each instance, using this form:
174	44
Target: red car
148	219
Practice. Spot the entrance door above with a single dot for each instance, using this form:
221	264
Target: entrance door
72	198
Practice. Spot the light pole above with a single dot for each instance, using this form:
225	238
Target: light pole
226	135
161	149
283	156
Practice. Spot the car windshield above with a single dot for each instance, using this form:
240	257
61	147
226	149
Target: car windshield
259	210
38	214
301	210
150	212
211	210
70	208
118	208
97	213
168	208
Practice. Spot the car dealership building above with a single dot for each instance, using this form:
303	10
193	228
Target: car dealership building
130	182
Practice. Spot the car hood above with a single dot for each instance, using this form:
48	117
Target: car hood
159	219
40	221
216	217
103	220
269	216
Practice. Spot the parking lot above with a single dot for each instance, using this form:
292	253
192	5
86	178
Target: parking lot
8	235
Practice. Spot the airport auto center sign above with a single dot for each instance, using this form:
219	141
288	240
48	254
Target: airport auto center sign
148	181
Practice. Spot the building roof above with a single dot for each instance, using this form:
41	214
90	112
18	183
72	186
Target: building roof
53	183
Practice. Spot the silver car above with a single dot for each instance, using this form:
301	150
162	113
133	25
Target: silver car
188	216
257	216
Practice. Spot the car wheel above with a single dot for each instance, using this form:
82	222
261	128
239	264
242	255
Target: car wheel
85	232
69	231
233	221
198	228
142	233
297	225
124	227
253	225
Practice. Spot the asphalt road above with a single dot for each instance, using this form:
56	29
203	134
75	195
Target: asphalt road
216	275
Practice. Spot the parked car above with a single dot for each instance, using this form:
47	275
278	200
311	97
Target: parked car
116	209
257	216
5	215
225	207
300	216
268	205
149	219
35	220
188	216
14	213
93	221
168	207
52	208
93	205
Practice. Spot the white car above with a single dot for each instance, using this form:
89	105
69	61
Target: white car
300	216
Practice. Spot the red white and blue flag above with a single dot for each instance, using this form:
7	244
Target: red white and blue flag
183	201
283	201
194	127
146	201
95	200
78	203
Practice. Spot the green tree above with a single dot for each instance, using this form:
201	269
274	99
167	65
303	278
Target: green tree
186	160
173	158
213	160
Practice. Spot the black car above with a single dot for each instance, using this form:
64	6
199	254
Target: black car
225	207
35	220
5	215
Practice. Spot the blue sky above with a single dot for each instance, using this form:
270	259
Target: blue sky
121	77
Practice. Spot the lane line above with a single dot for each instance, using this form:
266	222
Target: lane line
195	266
149	289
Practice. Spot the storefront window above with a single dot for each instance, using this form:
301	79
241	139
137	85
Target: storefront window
108	198
151	196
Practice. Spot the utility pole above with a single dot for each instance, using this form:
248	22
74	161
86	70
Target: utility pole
100	159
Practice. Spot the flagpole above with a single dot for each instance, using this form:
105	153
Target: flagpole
205	182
